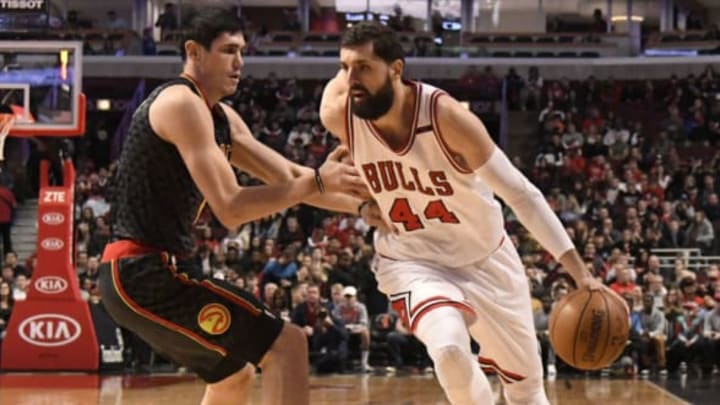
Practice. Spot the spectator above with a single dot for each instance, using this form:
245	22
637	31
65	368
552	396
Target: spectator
329	344
11	260
532	92
97	203
149	47
114	22
81	262
541	319
403	346
327	336
280	304
7	210
599	24
167	21
20	288
305	314
282	270
269	293
514	85
290	233
355	317
7	274
711	330
344	271
652	333
657	290
689	344
6	305
700	233
623	285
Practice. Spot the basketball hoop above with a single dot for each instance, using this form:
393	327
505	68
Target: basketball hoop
6	122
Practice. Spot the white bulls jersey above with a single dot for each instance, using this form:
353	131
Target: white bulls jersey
444	213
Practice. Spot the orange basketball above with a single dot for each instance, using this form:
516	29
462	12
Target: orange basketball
589	329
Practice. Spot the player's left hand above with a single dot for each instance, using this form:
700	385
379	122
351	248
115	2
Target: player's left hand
593	284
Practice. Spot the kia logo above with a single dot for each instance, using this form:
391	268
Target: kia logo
51	284
49	330
52	244
53	218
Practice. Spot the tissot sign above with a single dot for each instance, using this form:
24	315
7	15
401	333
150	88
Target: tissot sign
23	6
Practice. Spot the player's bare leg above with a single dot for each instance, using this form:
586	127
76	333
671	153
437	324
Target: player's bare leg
232	390
285	370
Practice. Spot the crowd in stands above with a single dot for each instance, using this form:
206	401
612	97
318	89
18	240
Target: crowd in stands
630	167
627	166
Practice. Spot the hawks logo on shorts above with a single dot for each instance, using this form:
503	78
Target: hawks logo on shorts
214	319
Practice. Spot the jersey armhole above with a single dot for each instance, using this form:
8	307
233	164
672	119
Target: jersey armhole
438	134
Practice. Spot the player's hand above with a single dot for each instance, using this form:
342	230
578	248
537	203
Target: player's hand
371	214
339	175
593	284
308	330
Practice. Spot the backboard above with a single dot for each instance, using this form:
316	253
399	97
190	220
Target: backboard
41	82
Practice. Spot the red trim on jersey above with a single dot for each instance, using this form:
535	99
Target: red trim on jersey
438	134
349	127
125	248
195	83
490	363
417	88
156	319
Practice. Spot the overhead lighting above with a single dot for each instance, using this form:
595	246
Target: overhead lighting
624	18
103	104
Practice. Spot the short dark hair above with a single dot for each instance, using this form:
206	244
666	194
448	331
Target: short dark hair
386	44
208	24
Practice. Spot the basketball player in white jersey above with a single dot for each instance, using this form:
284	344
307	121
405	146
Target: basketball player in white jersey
449	266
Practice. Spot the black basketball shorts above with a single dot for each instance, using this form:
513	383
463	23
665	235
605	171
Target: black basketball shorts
207	325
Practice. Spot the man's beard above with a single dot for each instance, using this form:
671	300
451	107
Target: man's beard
373	106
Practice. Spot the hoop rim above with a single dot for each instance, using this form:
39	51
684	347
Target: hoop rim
78	130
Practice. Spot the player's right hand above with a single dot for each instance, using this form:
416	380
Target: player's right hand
372	215
339	175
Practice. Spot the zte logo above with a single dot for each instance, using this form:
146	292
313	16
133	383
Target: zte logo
51	285
22	4
53	218
52	244
49	330
53	196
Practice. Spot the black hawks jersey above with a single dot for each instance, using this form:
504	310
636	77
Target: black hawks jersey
154	200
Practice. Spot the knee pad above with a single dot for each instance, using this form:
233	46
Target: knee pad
454	366
444	333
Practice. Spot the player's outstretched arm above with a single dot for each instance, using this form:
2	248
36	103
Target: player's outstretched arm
181	118
463	131
256	158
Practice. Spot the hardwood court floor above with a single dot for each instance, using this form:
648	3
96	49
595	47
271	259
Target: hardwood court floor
58	389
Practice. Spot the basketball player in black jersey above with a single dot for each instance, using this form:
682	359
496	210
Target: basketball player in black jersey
177	158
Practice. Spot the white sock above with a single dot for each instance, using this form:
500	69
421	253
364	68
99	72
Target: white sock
364	358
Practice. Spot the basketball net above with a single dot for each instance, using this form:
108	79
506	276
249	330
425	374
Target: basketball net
6	123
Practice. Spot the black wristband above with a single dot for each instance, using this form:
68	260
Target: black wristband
318	181
360	207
